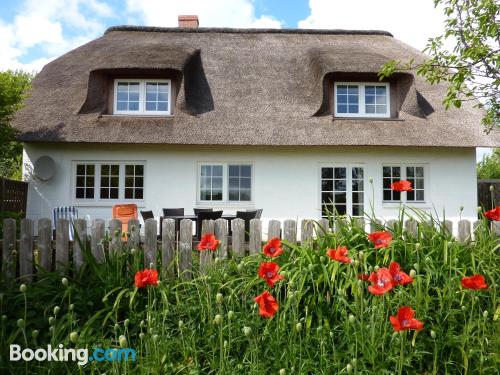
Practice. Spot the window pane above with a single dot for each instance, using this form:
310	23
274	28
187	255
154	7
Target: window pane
205	195
357	197
369	99
340	197
357	210
80	193
162	106
234	171
139	193
206	170
129	182
163	97
326	197
353	109
352	99
234	195
387	195
410	172
217	170
381	100
386	183
246	183
104	193
129	193
341	108
113	193
342	99
396	172
386	171
246	171
357	173
341	89
89	193
80	169
420	171
150	106
419	183
104	169
217	195
340	172
370	108
133	106
129	169
217	183
381	90
357	185
114	181
163	87
370	90
139	182
139	170
90	182
381	109
245	195
420	195
205	183
340	185
122	106
234	183
80	181
326	172
352	90
341	209
133	96
327	185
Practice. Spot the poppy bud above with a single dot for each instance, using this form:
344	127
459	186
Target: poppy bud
319	329
427	259
35	334
476	298
413	273
20	323
52	320
417	246
1	296
216	260
230	314
155	337
132	251
479	210
492	188
23	288
71	307
352	318
370	268
349	368
218	319
485	314
331	334
464	308
151	265
51	330
142	335
14	253
433	334
376	268
126	322
353	361
298	327
360	283
73	337
219	297
370	180
225	344
117	327
322	259
239	266
282	371
56	310
64	282
142	324
290	283
158	283
181	323
461	208
355	262
311	266
247	331
4	318
123	341
360	255
415	265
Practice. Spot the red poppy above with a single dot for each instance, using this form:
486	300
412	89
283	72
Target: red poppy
474	282
402	185
493	214
267	304
405	320
381	280
269	272
146	277
208	242
339	254
363	276
273	247
380	239
400	277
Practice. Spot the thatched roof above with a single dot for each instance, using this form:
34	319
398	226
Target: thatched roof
240	87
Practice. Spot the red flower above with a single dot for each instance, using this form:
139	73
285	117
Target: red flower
146	277
363	276
402	185
339	254
208	242
400	277
405	320
273	247
382	281
267	304
493	214
474	282
269	272
380	239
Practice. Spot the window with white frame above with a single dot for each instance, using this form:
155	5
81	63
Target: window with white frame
356	99
412	173
342	191
142	96
111	181
220	182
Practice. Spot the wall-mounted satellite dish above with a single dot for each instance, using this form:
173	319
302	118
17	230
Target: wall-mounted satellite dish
44	168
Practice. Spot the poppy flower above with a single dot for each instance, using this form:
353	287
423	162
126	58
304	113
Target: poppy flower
363	276
269	272
405	320
273	247
493	214
474	282
402	185
339	254
146	277
381	280
267	304
399	277
208	242
380	239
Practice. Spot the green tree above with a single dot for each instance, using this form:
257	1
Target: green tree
472	68
489	167
13	89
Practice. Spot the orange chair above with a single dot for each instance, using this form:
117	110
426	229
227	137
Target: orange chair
125	212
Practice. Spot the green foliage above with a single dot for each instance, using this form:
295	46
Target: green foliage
472	69
13	88
489	167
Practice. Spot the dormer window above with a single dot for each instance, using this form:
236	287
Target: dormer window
358	99
142	97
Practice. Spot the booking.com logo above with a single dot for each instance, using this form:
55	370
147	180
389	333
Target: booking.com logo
61	354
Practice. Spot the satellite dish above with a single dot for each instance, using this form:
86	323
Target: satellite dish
44	168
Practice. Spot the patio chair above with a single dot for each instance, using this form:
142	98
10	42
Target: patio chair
125	213
205	215
169	212
147	215
198	210
66	212
247	216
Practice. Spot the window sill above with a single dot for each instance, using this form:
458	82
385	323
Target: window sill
110	203
397	205
368	118
118	115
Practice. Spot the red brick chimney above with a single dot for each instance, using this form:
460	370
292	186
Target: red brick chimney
188	21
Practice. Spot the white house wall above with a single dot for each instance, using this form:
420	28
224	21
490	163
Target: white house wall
286	181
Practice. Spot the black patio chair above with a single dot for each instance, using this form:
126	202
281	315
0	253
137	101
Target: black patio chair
205	215
147	215
169	212
247	216
198	210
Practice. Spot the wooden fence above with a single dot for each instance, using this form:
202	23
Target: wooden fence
13	195
19	255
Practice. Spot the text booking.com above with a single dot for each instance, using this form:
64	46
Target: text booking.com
61	354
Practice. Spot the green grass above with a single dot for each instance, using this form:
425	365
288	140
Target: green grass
327	322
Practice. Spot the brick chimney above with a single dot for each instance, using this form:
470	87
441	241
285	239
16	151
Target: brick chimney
188	22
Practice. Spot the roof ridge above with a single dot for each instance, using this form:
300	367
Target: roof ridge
228	30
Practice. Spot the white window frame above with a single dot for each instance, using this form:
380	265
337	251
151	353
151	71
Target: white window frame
225	184
403	167
97	201
361	102
349	167
142	97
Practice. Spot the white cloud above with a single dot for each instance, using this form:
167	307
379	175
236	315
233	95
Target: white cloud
411	21
213	13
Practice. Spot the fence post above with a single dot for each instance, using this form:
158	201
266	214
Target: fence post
238	237
274	229
464	233
79	246
448	224
392	224
150	243
306	234
8	245
98	232
168	247
186	249
134	237
290	231
411	227
45	244
62	240
495	226
221	235
26	250
255	236
115	232
323	227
